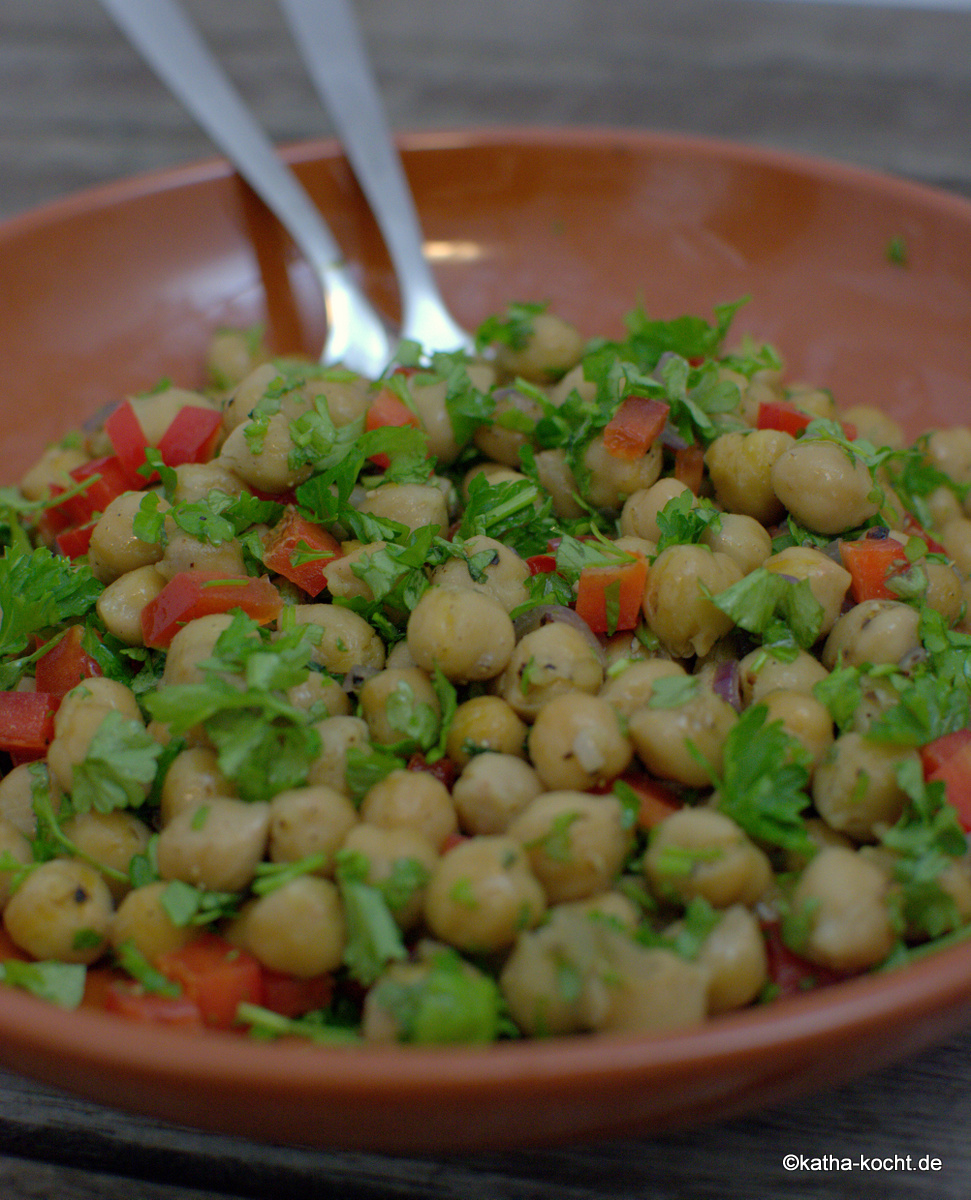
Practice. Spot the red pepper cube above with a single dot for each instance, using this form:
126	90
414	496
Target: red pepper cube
871	562
192	594
388	409
216	977
300	550
108	479
609	598
635	426
191	437
126	435
27	723
65	665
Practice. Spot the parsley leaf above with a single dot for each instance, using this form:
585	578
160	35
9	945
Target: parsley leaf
40	591
59	983
118	769
763	600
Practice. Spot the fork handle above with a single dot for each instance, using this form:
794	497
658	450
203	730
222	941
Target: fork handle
167	40
329	39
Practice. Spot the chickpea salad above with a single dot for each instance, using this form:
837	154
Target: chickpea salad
568	686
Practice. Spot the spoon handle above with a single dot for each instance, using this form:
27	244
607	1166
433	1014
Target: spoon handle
328	37
169	43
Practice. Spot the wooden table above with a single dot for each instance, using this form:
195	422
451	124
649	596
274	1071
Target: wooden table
885	87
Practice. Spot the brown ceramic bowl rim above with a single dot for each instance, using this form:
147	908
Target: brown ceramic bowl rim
811	1024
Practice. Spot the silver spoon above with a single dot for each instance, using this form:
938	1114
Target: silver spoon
356	335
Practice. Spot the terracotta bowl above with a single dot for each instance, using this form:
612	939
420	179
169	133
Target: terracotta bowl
111	290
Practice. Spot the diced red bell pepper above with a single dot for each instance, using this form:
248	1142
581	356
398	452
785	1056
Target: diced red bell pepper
657	800
285	546
790	974
191	437
109	479
131	1001
871	562
541	564
443	768
65	664
126	435
954	771
935	754
215	976
913	527
293	997
689	466
27	723
75	541
192	594
609	598
780	415
388	409
634	427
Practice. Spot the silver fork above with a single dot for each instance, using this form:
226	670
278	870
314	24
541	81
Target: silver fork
356	335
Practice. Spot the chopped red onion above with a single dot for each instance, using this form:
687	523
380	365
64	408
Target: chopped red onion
727	683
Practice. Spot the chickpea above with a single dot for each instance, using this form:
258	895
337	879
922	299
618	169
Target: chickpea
955	537
557	479
347	641
574	380
259	455
497	442
638	517
661	735
482	893
760	672
675	604
411	504
114	548
845	899
484	723
408	685
142	920
551	349
337	736
17	799
321	693
345	397
828	581
157	410
503	577
855	788
741	467
386	851
183	552
650	990
612	480
411	800
492	790
197	481
551	660
121	603
307	821
874	631
192	644
576	742
15	844
944	591
813	401
802	717
492	472
51	469
216	846
633	687
192	779
342	581
62	911
734	957
950	451
875	425
467	635
826	488
96	692
576	842
298	928
429	402
820	835
251	389
73	736
745	540
110	840
702	852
